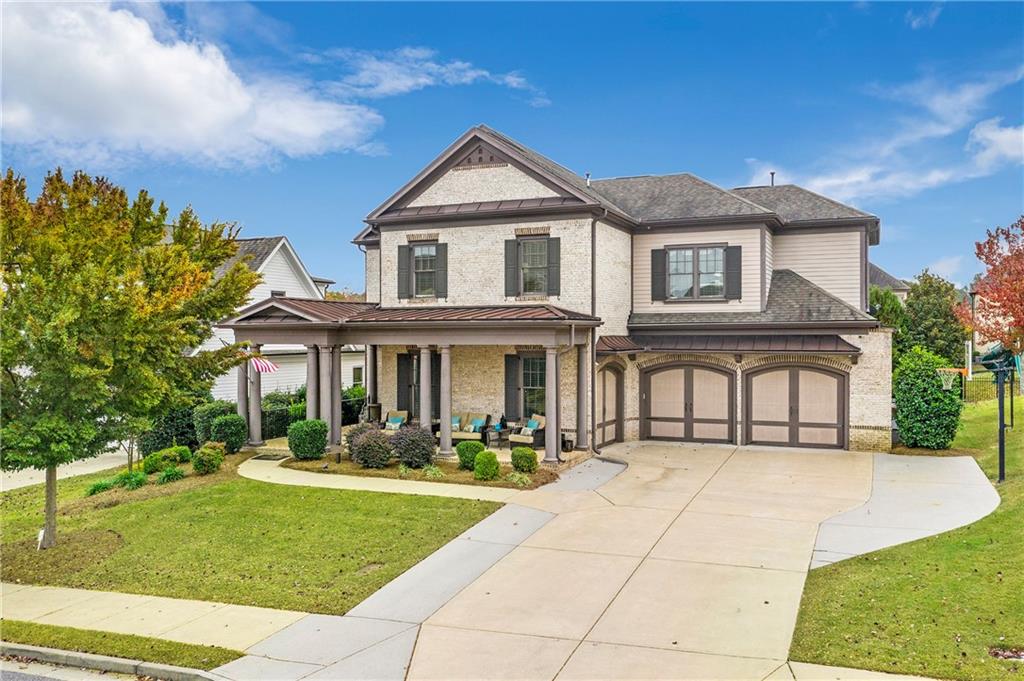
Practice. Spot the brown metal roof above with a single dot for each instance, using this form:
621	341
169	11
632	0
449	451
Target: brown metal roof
284	308
701	343
474	313
476	207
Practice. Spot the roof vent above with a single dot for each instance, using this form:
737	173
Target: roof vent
278	294
587	175
772	173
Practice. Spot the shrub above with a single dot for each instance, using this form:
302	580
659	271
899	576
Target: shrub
207	459
173	428
432	472
414	447
308	439
180	454
156	462
518	479
467	451
372	449
403	470
204	414
926	415
276	400
170	475
524	459
296	412
130	480
352	402
100	486
300	393
275	422
485	467
352	433
231	430
217	446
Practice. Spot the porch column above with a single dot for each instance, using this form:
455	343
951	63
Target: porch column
552	439
336	395
425	410
242	396
312	384
581	395
325	386
255	405
370	374
446	400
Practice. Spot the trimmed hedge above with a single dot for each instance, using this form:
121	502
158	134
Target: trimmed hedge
524	459
355	432
204	414
467	451
414	447
231	430
372	449
308	439
926	415
208	458
485	467
176	427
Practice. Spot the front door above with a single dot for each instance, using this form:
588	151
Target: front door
692	403
795	406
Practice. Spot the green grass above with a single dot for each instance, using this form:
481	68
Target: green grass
932	607
126	646
229	539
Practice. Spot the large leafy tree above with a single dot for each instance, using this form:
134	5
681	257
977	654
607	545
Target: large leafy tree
999	292
932	322
102	300
887	309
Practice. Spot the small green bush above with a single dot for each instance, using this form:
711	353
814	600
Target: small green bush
308	439
179	454
414	447
372	449
485	467
207	460
156	462
100	486
204	414
432	472
276	400
467	451
519	479
275	422
403	470
170	475
926	415
130	480
524	459
296	412
231	430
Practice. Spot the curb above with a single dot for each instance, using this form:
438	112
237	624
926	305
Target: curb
105	663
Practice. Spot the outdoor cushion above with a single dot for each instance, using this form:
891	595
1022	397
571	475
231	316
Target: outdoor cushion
477	424
531	424
463	435
520	438
393	424
526	431
455	421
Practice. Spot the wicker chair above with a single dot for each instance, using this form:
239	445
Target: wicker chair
534	439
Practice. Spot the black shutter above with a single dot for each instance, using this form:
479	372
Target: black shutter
733	272
441	274
404	275
658	285
512	377
404	382
511	268
554	266
435	385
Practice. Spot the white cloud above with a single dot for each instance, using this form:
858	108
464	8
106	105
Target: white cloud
947	267
993	144
925	19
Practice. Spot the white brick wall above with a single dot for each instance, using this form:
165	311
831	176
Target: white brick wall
484	183
372	270
613	279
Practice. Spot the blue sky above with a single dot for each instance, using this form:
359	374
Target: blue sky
299	118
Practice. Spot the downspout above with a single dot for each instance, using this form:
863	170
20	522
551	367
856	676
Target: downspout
593	331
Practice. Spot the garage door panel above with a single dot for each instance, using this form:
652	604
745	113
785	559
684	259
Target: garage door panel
819	397
778	434
672	429
773	383
710	395
710	431
819	436
689	402
666	395
796	406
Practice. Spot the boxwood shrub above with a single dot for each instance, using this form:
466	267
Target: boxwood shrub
926	415
178	454
207	459
524	459
485	467
308	439
157	461
372	449
414	447
204	414
467	451
231	430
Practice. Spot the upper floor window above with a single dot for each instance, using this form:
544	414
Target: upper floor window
424	261
696	272
532	266
533	262
423	270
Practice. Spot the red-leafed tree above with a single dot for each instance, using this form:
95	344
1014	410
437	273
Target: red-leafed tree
999	304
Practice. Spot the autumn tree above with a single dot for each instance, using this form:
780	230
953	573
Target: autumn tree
932	322
102	299
998	313
888	310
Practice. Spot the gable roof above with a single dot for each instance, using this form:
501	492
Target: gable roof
882	279
651	198
257	250
796	204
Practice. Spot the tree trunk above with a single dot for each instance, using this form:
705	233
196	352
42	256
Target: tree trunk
49	538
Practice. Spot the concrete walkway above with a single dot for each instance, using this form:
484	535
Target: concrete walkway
15	479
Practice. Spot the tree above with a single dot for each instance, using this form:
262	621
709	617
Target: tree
347	295
932	322
926	414
102	301
999	292
888	310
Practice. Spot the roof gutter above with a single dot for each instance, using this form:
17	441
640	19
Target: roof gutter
852	325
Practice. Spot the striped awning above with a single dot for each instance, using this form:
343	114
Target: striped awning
264	366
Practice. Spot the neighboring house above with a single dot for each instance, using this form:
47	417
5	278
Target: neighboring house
283	275
650	307
882	279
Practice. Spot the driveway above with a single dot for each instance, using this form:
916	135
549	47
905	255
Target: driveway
689	564
30	476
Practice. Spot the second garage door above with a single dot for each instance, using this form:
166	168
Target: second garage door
795	406
689	403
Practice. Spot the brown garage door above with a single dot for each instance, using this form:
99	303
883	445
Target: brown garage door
795	406
688	402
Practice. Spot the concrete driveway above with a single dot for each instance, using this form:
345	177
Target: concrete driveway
689	564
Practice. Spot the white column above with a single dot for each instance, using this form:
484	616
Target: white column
552	438
425	410
582	374
370	374
312	383
255	405
242	398
446	400
336	395
325	385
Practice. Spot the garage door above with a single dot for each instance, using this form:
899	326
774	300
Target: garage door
688	402
608	406
795	406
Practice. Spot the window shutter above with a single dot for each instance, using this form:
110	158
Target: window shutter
554	266
404	382
404	274
733	272
441	272
511	268
512	389
435	385
658	284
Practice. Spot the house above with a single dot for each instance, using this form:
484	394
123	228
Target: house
283	275
649	307
882	279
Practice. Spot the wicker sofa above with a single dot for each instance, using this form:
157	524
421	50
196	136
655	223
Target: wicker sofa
459	433
534	439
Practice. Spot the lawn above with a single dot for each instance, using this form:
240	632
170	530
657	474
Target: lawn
230	539
932	607
452	473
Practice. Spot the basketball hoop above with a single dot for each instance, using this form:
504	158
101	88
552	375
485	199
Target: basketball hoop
947	374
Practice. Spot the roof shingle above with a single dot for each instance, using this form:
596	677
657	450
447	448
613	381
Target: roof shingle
796	204
665	197
256	249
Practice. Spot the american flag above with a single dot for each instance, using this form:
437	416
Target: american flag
264	366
